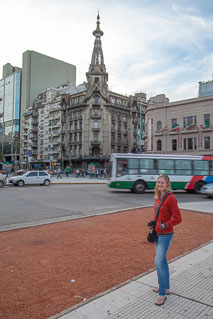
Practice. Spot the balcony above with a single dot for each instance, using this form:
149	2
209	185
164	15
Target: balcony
56	133
207	128
159	132
56	142
96	117
97	143
58	124
186	130
96	129
35	115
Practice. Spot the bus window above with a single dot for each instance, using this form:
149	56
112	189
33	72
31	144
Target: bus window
201	167
133	165
210	167
183	167
148	166
166	166
122	167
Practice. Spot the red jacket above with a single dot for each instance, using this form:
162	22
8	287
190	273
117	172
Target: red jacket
169	215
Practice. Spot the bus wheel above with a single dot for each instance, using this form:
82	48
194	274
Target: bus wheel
198	187
139	187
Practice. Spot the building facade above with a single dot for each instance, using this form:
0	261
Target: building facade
10	99
38	73
182	127
90	122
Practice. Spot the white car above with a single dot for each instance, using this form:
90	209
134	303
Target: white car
31	177
207	190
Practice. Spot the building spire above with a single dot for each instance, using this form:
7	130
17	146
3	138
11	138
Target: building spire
97	70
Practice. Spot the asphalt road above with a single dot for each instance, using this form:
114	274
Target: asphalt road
37	205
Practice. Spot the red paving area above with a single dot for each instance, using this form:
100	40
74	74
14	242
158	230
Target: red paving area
46	269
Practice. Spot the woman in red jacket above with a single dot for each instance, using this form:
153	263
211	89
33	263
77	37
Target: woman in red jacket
168	216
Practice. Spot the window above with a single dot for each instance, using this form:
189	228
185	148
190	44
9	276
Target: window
207	120
112	100
96	99
42	174
122	166
166	166
190	121
183	167
211	167
96	79
148	166
174	123
184	143
95	138
159	125
195	143
159	145
207	142
174	145
201	167
190	143
95	124
32	174
133	166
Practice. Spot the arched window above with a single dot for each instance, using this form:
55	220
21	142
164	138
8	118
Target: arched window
95	124
159	145
96	99
159	125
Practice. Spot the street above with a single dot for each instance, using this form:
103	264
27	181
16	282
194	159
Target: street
37	205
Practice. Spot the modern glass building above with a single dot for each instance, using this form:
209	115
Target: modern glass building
205	88
10	99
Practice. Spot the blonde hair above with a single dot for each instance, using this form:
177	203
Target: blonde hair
167	180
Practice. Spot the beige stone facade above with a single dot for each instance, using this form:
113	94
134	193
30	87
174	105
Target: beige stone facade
182	127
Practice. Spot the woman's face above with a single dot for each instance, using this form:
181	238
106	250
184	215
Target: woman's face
162	185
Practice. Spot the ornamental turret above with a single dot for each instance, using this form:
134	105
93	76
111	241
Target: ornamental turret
97	76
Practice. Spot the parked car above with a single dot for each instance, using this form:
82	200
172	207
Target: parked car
31	177
3	180
207	189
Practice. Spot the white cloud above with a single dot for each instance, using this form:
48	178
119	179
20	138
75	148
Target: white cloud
150	46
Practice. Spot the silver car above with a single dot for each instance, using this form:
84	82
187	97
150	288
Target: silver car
207	190
31	177
2	180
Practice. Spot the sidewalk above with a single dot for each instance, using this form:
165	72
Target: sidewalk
78	180
191	297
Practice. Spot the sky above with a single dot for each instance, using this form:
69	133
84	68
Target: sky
150	46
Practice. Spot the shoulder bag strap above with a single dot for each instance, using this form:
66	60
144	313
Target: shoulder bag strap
161	203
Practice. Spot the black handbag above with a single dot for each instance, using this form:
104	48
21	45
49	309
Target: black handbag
151	237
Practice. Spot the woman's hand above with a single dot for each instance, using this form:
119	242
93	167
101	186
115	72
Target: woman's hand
152	223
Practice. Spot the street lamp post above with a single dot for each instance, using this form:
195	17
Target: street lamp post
141	142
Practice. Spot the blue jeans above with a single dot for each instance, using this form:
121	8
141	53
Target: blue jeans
162	246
